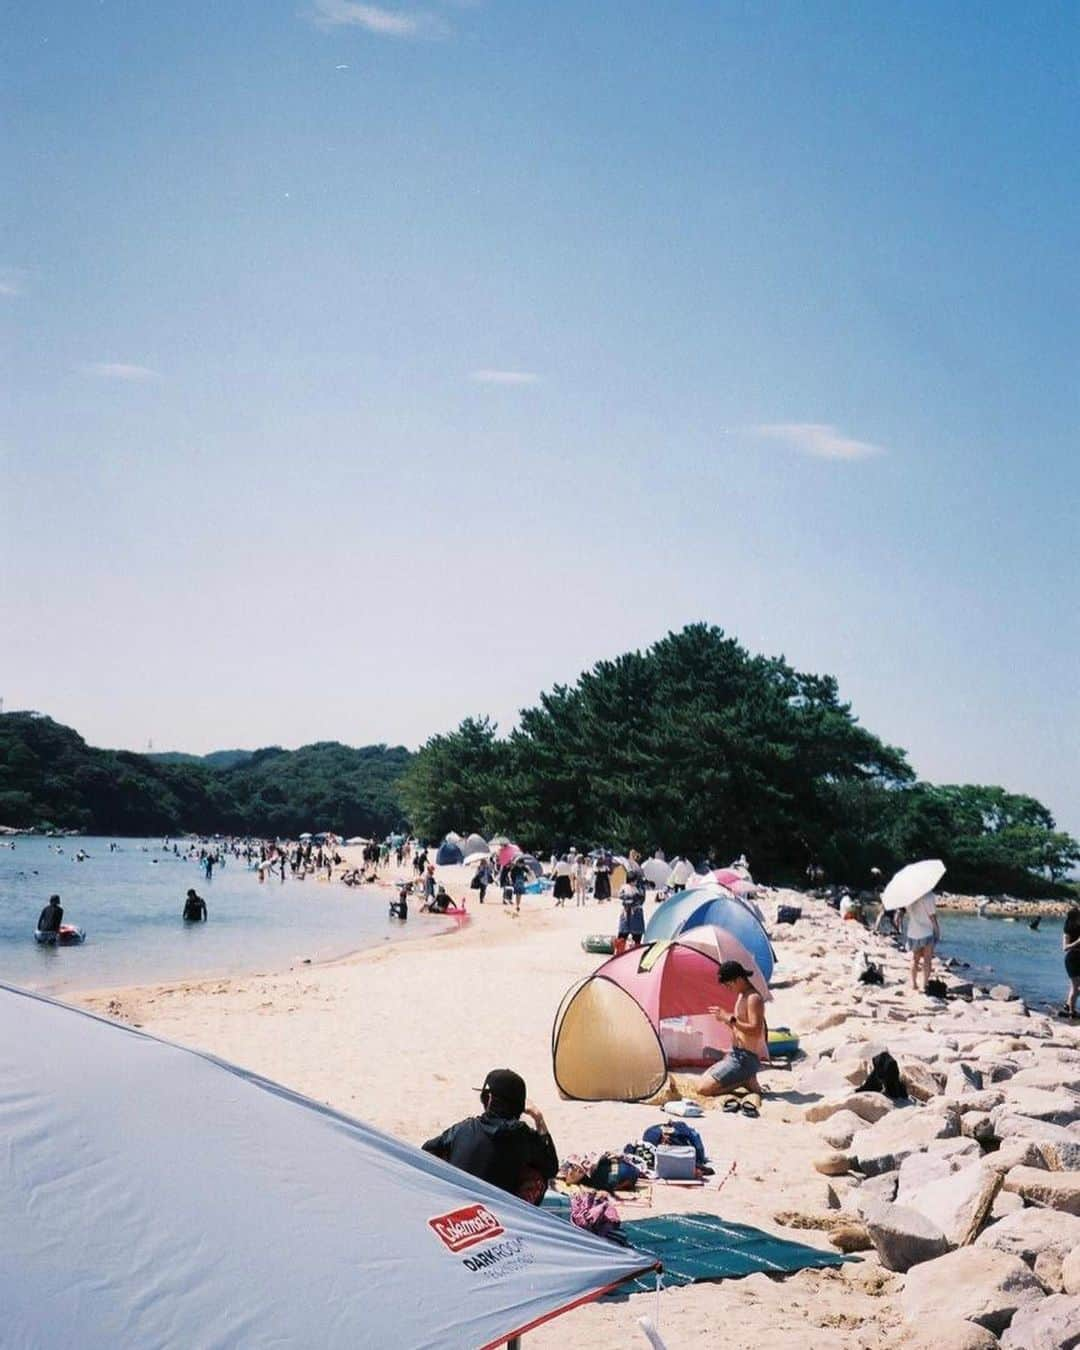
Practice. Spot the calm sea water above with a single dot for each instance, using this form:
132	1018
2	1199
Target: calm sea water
130	902
1008	953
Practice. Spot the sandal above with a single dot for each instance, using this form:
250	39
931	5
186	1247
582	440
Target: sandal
731	1105
751	1105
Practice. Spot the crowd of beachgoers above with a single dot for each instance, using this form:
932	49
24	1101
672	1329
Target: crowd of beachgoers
922	1123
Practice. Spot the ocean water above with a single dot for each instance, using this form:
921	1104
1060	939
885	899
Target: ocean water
1004	952
130	902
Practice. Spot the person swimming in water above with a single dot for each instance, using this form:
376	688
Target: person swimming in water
51	917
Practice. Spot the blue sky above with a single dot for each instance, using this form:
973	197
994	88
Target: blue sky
373	365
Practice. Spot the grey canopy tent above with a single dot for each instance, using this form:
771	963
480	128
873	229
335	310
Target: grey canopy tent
153	1196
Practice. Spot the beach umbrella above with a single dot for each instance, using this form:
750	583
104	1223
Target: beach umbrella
724	946
305	835
911	882
656	870
358	839
471	859
712	905
206	1206
507	854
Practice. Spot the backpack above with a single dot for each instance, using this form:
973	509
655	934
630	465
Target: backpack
885	1077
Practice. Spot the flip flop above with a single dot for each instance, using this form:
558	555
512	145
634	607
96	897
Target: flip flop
731	1104
751	1105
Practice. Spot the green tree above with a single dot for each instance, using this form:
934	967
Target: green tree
453	781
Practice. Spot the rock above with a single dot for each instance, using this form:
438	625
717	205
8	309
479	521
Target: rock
1014	1153
1010	1124
1059	1108
961	988
1030	1231
1053	1324
954	1334
1060	1155
1070	1271
1005	1203
841	1128
1049	1078
957	1150
885	1145
868	1106
1002	993
986	1099
979	1285
875	1190
958	1203
833	1164
1048	1269
977	1125
836	1019
920	1170
922	1082
852	1237
963	1078
903	1237
1057	1190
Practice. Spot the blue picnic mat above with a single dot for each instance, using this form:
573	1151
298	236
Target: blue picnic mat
705	1247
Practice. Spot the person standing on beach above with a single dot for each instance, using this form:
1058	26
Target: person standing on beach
1070	945
564	886
922	933
498	1147
482	879
581	879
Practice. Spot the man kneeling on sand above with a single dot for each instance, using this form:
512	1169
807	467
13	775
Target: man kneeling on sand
498	1146
749	1042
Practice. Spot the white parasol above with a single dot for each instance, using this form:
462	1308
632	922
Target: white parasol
912	882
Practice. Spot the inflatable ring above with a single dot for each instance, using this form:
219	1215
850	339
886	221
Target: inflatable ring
783	1043
599	943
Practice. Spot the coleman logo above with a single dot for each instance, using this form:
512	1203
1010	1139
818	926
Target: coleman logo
465	1227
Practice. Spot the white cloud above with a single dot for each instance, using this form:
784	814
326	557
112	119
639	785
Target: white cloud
118	370
504	377
377	19
819	439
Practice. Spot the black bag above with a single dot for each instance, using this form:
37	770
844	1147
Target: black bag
788	913
871	973
885	1077
474	885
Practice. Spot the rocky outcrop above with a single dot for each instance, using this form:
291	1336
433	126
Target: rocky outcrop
979	1285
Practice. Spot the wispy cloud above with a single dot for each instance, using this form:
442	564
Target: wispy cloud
819	439
118	370
12	280
504	377
378	19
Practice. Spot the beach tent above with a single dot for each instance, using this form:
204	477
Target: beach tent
202	1205
532	865
713	905
476	843
723	946
452	837
607	1043
449	854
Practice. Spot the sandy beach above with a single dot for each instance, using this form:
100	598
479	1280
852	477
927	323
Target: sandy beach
400	1035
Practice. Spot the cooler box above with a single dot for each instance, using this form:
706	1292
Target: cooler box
675	1162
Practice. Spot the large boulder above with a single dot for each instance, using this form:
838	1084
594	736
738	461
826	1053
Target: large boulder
1060	1155
840	1129
957	1203
922	1081
1015	1152
976	1284
1055	1190
884	1146
903	1237
918	1171
1053	1324
1049	1078
868	1106
963	1078
1070	1271
1059	1108
1010	1124
1030	1231
956	1334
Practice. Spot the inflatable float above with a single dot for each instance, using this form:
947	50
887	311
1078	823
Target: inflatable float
67	936
600	943
783	1043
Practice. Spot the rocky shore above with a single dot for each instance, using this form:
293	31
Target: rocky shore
1004	906
968	1187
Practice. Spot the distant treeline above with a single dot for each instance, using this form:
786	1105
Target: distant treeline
50	777
702	749
694	746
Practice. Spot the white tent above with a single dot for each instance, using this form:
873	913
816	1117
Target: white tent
155	1196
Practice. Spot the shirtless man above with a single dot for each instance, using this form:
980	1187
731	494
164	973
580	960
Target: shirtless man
749	1037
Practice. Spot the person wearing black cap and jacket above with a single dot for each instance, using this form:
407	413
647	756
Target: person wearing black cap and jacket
498	1146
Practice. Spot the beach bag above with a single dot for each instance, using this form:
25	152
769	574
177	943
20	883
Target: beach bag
596	1213
937	989
885	1077
788	913
871	973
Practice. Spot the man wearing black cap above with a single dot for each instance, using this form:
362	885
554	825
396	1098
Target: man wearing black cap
749	1038
498	1146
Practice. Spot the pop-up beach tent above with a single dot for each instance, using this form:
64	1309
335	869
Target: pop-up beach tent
607	1043
449	854
154	1196
476	843
712	905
